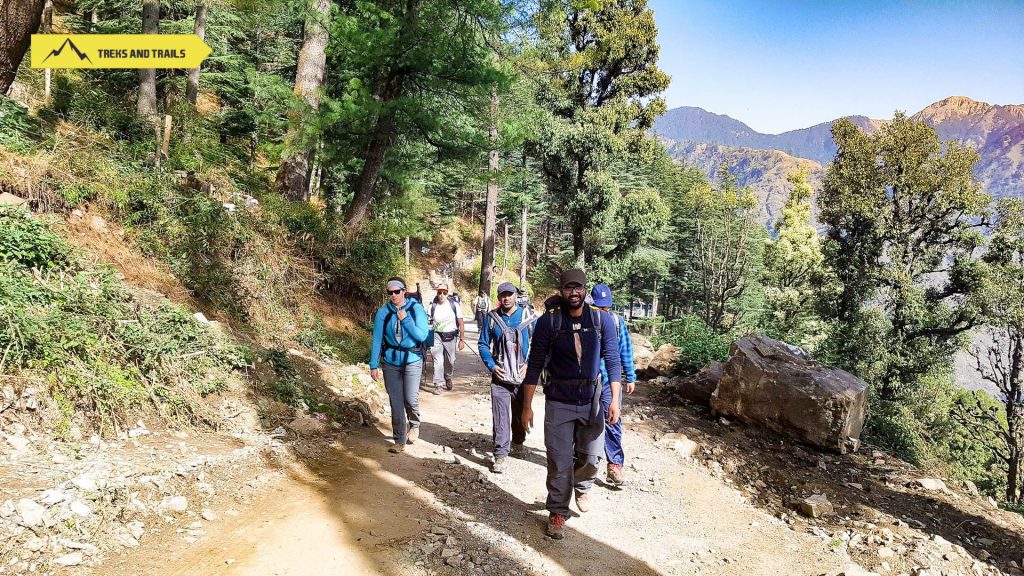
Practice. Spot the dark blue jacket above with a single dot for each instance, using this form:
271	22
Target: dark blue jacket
563	364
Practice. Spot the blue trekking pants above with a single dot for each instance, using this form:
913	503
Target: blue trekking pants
403	386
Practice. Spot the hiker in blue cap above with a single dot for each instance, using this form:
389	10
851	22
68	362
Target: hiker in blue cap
399	330
504	346
570	342
602	296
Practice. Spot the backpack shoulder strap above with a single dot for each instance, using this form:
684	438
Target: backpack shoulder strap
455	309
497	318
595	319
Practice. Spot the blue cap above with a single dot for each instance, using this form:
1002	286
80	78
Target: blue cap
602	295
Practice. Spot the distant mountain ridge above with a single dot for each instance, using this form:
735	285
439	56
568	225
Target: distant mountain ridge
996	131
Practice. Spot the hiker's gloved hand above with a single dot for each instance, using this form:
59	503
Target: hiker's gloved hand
375	374
499	373
630	386
613	413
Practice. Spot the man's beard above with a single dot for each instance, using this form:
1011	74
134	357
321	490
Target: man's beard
571	306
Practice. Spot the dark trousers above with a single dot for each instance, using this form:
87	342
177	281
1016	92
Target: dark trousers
507	416
575	446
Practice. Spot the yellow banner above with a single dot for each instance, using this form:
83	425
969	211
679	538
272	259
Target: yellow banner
118	50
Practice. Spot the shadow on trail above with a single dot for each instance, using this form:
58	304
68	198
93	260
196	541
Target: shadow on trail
367	485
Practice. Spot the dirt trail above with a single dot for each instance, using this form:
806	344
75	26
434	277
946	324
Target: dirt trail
360	510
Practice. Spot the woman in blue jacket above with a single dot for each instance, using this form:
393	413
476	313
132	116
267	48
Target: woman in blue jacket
399	329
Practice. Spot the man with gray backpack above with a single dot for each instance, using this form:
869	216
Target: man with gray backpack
504	346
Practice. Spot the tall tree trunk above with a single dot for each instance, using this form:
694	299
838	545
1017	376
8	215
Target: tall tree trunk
192	89
578	249
146	106
383	139
504	256
18	20
522	246
491	210
47	28
296	168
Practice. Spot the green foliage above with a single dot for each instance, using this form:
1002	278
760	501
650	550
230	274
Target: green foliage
101	348
698	344
27	242
599	93
18	130
794	274
901	208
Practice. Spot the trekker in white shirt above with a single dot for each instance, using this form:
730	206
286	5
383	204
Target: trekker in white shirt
447	321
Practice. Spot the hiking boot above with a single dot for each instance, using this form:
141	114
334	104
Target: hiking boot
413	435
517	450
499	464
437	390
615	476
582	501
556	523
449	385
397	448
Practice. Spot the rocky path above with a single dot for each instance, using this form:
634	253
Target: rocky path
438	510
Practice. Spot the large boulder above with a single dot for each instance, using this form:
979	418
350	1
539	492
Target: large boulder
769	382
663	361
643	352
700	386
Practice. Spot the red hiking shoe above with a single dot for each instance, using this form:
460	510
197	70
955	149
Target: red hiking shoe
556	524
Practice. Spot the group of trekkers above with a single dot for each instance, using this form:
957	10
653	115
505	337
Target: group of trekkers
578	350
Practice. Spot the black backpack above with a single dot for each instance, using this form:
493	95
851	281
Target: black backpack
555	311
455	309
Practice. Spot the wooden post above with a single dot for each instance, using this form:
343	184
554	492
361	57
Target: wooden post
47	29
165	148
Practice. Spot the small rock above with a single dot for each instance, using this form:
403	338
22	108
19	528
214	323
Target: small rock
855	486
35	544
51	497
440	530
174	504
85	483
930	484
7	509
816	506
72	559
885	552
854	570
80	508
449	552
942	542
209	515
19	443
29	512
971	488
137	529
229	561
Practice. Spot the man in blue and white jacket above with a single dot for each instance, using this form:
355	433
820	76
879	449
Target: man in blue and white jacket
602	296
504	346
570	342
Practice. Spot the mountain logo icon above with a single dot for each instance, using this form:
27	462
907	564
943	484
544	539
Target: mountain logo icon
68	42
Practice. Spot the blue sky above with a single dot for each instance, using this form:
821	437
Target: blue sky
785	65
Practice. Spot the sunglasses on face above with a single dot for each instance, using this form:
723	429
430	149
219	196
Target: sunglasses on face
393	292
442	291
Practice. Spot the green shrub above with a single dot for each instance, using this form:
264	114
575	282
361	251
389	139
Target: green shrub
27	242
18	130
698	344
